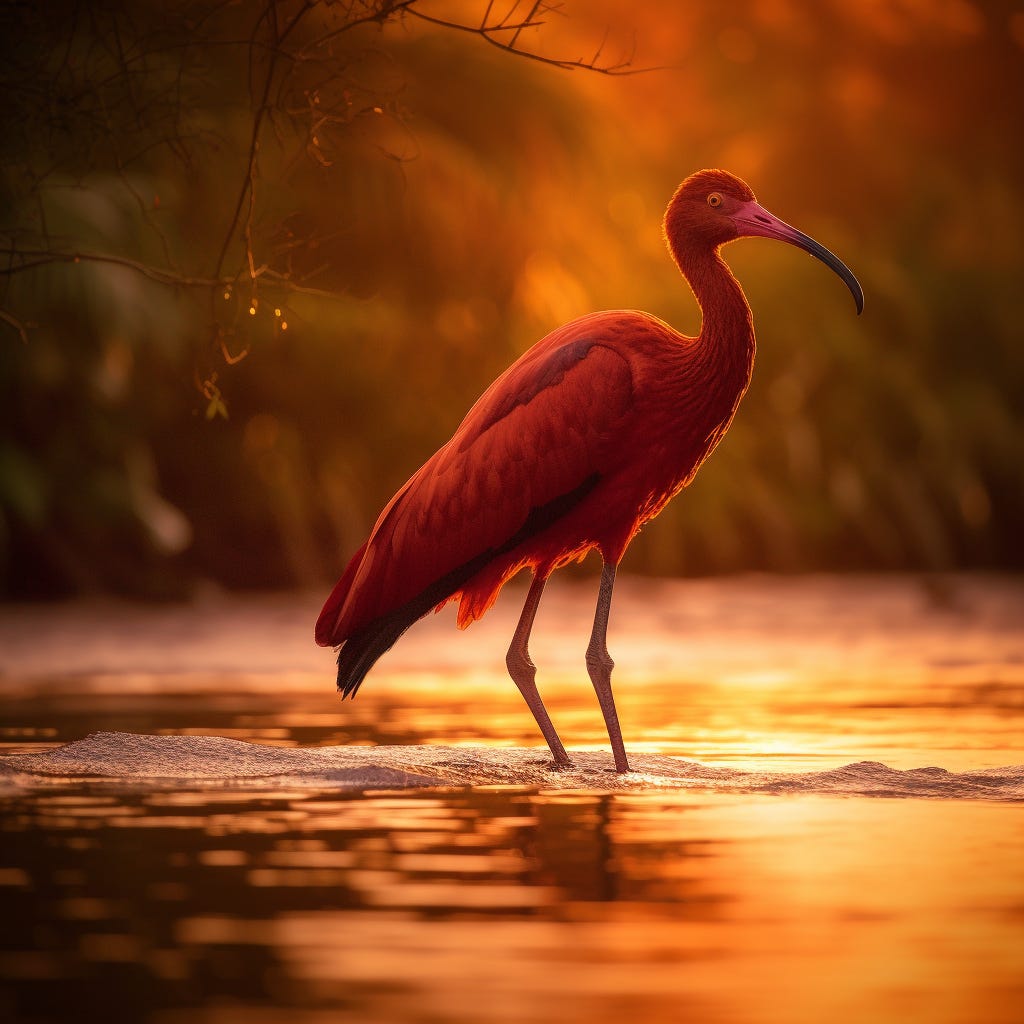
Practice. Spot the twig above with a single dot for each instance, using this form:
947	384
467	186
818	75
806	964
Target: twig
14	322
257	123
487	32
387	10
30	259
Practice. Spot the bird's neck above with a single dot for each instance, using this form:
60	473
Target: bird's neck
726	339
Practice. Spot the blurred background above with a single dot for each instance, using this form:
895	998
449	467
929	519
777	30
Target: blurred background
259	258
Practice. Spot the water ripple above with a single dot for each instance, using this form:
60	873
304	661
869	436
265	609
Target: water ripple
205	761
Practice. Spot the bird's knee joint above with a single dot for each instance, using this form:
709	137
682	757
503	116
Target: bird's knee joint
520	665
599	661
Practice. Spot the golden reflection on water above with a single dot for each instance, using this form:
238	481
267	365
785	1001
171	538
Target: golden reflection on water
501	904
219	904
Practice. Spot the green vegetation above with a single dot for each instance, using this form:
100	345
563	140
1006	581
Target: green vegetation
276	335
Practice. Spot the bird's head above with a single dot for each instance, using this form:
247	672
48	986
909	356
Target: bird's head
713	207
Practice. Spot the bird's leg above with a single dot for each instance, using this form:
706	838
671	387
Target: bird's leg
523	671
600	665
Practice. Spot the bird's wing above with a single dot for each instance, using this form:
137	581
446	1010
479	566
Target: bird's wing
535	439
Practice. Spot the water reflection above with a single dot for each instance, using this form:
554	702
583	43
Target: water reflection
802	724
205	901
503	904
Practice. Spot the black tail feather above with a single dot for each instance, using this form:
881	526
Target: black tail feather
359	652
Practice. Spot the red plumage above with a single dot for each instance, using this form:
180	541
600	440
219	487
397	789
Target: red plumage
579	443
600	415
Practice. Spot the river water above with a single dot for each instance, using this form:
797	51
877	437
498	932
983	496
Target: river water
824	822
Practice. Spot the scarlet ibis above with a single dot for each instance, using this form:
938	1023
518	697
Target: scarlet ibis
580	442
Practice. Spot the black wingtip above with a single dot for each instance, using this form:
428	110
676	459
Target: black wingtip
359	653
348	679
361	650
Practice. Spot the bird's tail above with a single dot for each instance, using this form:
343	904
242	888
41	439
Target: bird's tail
360	651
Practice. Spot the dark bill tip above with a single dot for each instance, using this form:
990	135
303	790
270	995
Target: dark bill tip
754	219
832	261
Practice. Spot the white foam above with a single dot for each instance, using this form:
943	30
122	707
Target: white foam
205	761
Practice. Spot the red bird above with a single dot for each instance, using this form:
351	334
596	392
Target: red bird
578	444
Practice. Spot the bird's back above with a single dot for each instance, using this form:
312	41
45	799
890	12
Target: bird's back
573	447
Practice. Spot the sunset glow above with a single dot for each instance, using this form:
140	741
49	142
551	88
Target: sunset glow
258	258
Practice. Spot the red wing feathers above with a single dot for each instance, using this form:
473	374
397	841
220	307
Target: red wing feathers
536	435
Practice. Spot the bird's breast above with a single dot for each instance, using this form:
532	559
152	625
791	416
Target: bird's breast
681	410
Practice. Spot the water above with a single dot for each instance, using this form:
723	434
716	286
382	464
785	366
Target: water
825	822
122	760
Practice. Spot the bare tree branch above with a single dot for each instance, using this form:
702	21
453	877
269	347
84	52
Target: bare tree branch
31	259
261	110
388	9
489	31
123	87
13	321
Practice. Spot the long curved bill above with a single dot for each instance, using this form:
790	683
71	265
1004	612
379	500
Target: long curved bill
754	219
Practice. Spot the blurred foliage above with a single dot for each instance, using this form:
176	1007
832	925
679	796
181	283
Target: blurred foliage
258	343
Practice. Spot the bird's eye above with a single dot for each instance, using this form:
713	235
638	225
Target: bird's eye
715	200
